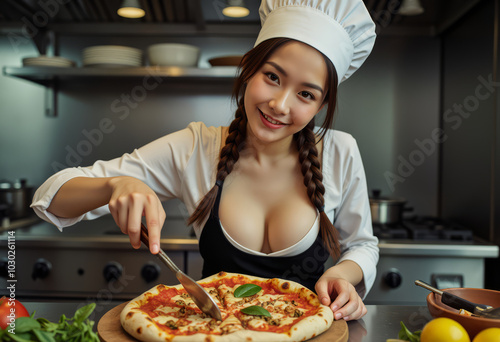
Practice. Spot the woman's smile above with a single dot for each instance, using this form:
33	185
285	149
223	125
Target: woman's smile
270	122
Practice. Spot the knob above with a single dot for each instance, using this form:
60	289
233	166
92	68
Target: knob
150	272
393	278
41	269
112	271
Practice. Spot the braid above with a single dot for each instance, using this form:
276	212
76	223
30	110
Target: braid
313	180
229	155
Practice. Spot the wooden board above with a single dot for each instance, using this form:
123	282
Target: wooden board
110	329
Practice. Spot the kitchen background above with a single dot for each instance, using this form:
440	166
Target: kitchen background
423	108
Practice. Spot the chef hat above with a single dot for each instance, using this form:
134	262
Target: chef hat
341	29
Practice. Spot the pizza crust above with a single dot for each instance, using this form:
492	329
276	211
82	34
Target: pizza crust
141	326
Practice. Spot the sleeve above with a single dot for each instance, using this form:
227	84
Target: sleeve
353	217
160	164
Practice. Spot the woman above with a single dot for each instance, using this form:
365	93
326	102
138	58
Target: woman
263	192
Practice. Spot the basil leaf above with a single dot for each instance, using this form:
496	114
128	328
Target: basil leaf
84	312
25	324
44	336
246	290
256	311
23	337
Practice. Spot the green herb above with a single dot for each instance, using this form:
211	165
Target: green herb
246	290
75	329
407	335
256	311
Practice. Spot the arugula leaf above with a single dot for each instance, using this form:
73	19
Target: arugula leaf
47	325
83	313
76	329
407	335
246	290
256	311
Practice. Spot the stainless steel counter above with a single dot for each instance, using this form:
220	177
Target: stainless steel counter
380	323
473	249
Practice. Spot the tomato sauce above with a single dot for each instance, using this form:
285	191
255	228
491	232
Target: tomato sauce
165	295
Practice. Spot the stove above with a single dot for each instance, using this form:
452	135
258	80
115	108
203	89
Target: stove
93	260
424	228
440	252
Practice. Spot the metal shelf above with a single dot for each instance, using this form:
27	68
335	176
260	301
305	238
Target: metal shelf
45	75
51	76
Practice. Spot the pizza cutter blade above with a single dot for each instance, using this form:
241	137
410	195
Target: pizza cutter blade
200	297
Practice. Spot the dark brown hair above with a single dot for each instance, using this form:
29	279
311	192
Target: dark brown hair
305	140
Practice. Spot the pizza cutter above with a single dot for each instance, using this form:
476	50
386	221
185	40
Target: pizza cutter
458	303
200	297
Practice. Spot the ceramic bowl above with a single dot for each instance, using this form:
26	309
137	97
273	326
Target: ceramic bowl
472	324
169	54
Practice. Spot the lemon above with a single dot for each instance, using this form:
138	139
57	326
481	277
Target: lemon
444	329
488	335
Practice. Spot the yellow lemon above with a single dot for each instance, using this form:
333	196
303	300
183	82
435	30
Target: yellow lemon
444	329
488	335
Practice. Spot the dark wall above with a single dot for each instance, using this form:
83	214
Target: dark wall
469	116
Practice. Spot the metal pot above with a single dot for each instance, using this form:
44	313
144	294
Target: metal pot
386	210
17	196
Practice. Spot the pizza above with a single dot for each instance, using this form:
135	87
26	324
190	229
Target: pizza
260	310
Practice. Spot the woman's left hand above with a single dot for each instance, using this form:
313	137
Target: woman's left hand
347	304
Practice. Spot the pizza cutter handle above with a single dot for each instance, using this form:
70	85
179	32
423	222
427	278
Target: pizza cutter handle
452	300
161	254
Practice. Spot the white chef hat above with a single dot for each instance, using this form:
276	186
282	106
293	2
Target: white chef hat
341	29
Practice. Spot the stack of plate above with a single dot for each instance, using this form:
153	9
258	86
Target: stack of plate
111	55
48	61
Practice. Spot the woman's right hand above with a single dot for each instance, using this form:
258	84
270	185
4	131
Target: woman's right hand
131	199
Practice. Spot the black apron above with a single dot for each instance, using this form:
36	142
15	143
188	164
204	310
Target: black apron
220	255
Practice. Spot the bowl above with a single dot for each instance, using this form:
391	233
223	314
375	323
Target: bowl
225	61
170	54
472	324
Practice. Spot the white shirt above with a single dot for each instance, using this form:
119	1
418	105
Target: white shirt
183	165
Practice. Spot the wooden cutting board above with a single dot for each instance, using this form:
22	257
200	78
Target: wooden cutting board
110	329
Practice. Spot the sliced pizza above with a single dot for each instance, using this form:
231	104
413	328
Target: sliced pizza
253	309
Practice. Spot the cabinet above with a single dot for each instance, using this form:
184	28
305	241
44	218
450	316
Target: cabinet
50	77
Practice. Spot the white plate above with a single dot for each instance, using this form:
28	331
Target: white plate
137	58
113	57
114	48
44	60
108	65
124	53
48	63
110	61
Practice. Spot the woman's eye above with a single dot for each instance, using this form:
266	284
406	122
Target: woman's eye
307	95
272	76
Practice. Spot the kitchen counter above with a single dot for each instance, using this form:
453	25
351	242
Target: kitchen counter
380	323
